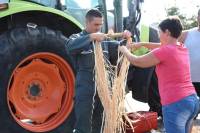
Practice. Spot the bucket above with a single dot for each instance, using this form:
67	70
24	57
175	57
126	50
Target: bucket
142	121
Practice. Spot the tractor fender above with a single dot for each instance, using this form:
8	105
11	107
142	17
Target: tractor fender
23	7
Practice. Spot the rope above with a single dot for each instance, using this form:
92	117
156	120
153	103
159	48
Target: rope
111	90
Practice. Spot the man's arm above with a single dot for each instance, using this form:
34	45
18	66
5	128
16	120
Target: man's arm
77	43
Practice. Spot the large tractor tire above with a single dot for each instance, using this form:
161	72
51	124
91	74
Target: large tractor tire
36	82
154	96
144	86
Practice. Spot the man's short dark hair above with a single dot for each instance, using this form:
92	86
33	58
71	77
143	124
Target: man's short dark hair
173	24
93	13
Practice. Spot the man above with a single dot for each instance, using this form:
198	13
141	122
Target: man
191	39
88	108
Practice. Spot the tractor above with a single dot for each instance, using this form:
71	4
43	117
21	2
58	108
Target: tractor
37	78
37	75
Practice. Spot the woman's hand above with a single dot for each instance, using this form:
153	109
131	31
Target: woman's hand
133	45
123	49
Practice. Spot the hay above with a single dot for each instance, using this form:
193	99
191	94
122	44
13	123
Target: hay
111	83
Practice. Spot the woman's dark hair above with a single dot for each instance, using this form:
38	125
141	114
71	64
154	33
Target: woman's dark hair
173	25
93	13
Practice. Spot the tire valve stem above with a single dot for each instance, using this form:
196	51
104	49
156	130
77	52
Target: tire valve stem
31	25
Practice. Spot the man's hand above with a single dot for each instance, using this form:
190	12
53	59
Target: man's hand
126	34
97	36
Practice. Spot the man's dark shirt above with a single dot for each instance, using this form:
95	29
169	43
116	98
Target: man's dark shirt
81	49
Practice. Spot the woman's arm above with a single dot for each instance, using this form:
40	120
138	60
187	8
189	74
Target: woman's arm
143	61
149	45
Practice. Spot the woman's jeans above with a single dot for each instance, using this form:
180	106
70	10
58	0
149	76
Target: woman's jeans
178	117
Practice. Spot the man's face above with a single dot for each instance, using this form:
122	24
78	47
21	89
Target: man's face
94	25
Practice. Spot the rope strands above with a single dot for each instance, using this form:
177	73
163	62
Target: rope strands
111	90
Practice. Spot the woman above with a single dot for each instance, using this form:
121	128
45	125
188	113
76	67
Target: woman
178	97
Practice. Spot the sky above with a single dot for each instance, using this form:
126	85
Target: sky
152	10
155	10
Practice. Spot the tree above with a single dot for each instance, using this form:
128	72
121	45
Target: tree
187	22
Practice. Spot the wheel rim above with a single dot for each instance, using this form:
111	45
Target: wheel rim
40	92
